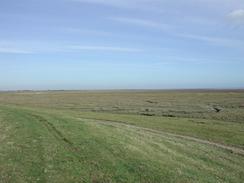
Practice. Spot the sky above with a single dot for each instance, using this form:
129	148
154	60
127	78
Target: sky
121	44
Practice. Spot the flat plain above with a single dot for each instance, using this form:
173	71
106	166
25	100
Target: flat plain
122	136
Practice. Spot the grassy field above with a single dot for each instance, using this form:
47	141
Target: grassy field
122	136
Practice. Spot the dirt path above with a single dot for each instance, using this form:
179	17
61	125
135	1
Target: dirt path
232	149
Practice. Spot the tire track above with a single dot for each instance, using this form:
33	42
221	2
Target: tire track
231	149
59	136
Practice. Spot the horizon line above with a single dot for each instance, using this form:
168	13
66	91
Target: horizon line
141	89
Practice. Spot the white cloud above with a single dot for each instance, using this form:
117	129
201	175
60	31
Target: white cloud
197	60
103	48
5	48
48	47
237	16
161	5
14	51
220	41
108	2
138	5
118	3
87	32
214	40
142	22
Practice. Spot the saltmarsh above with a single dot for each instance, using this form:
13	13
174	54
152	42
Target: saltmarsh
53	141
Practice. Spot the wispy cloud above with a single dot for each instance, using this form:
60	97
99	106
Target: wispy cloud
199	21
197	60
14	51
37	47
214	40
170	29
87	32
141	22
105	2
118	3
161	5
103	48
237	16
11	49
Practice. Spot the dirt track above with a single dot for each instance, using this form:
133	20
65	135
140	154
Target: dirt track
232	149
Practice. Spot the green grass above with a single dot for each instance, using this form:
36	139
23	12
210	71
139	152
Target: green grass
216	131
48	142
187	104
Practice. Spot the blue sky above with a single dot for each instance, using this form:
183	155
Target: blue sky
121	44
